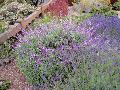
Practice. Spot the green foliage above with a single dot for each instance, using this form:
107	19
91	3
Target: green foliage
10	12
77	37
6	50
57	37
27	1
116	5
10	1
3	26
52	39
23	1
45	20
83	16
103	10
1	3
5	84
89	77
28	71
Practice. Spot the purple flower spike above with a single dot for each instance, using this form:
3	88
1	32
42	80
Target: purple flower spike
74	46
62	47
99	27
38	61
43	50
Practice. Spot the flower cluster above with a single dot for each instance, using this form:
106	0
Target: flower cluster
54	53
101	31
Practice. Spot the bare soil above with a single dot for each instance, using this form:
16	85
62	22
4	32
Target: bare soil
12	73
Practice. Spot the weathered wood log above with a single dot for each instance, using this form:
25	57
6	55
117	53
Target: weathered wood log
14	29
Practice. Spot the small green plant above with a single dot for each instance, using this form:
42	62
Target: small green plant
100	9
116	5
3	26
1	3
52	39
57	38
105	10
4	84
46	19
83	16
6	49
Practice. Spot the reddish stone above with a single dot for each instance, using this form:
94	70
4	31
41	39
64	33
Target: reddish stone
58	8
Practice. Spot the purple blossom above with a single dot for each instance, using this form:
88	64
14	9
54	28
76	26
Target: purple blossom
98	29
61	47
38	61
74	46
43	50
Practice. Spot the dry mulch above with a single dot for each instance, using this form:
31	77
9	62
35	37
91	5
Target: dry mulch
12	73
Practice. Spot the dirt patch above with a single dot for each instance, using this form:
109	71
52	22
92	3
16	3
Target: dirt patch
12	73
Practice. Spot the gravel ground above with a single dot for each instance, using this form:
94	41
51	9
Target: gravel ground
18	82
12	73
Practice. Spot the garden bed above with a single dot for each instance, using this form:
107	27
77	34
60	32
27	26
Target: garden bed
14	11
45	58
14	29
12	73
79	51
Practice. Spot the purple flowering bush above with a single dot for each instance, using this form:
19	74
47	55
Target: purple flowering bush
63	55
46	61
101	31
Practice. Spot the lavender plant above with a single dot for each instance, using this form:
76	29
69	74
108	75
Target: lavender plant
43	57
101	31
63	55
